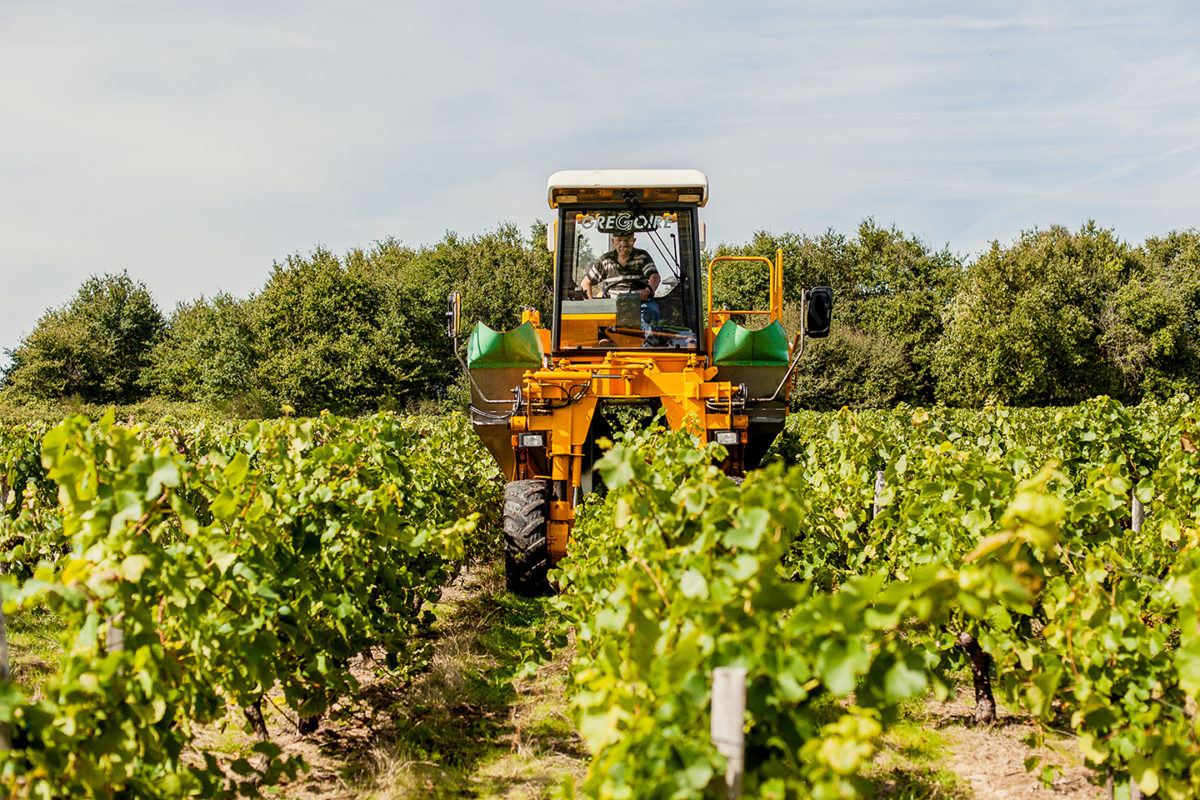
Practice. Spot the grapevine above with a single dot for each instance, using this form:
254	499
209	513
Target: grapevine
1009	528
259	566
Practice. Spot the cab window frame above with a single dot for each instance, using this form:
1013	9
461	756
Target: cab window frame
689	260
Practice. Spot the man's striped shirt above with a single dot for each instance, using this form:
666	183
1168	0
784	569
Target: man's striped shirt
640	265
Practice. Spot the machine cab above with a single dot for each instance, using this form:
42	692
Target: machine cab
628	247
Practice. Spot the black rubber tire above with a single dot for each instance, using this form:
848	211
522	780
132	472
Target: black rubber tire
526	549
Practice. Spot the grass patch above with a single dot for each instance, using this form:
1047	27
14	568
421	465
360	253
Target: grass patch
34	651
480	724
922	783
908	766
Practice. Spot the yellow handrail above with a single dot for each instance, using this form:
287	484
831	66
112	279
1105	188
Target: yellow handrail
775	286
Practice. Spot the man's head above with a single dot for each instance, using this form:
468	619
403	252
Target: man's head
623	242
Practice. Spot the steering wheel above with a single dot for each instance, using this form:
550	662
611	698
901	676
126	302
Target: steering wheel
623	285
674	339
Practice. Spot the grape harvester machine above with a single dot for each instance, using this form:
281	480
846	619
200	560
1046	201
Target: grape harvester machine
537	391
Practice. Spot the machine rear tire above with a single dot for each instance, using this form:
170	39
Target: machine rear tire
526	549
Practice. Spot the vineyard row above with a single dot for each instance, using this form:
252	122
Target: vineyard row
202	571
1004	532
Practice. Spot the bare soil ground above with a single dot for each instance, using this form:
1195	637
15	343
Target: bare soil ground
991	760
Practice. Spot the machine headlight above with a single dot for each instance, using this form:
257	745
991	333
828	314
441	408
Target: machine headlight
531	439
727	437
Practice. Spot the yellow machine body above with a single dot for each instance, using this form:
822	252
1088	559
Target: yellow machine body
686	387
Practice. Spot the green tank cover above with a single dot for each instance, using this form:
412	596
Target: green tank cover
519	347
736	346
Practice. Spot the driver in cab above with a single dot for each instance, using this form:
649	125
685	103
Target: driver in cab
628	270
625	261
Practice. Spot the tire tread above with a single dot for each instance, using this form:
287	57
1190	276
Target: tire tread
526	550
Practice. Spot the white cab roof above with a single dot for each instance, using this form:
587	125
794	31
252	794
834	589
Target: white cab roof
567	179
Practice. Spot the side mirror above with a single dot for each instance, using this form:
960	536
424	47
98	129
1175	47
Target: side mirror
819	312
551	235
453	315
702	236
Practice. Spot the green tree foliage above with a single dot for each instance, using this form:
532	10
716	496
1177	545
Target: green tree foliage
208	353
903	288
857	370
94	347
342	336
1149	324
498	273
889	293
1025	328
367	330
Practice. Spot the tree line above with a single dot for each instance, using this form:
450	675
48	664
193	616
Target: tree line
351	334
1053	317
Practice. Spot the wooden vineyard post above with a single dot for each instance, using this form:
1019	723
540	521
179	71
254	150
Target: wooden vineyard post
114	637
1137	517
729	723
880	485
5	739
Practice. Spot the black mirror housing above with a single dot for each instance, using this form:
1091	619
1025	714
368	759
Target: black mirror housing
818	312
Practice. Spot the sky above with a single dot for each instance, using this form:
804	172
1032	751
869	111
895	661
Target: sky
195	144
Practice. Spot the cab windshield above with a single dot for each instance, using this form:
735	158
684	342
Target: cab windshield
628	278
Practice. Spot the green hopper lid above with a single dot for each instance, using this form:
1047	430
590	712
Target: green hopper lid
520	347
736	346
